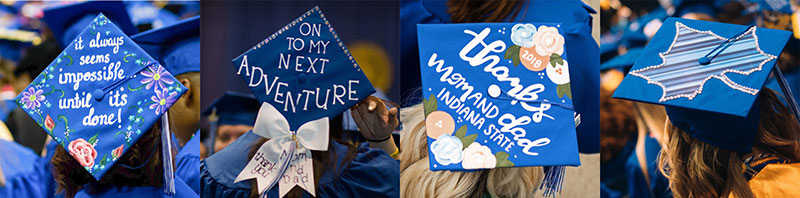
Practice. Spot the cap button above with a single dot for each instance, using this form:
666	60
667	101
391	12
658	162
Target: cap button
704	60
302	78
98	94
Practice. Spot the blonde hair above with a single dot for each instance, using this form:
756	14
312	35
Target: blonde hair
697	169
417	180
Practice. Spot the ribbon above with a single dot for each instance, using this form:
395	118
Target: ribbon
285	158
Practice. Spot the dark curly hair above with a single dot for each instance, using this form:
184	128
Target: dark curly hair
71	177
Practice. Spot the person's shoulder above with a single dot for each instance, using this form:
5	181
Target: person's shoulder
777	180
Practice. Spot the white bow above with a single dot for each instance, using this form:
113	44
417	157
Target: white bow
286	157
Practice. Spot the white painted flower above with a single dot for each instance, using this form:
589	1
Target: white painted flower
522	34
447	149
547	41
558	74
477	156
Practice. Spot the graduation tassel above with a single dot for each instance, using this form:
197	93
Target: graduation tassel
553	180
166	155
787	92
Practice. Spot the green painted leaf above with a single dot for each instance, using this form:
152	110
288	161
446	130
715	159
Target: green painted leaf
429	105
502	160
504	163
461	132
104	160
93	139
556	59
512	52
500	156
564	89
468	140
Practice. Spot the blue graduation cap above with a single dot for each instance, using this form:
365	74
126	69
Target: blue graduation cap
177	46
67	21
708	75
783	6
304	70
499	92
100	95
302	75
498	95
144	12
234	109
623	61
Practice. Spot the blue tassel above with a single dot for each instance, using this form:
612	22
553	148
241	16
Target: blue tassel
553	181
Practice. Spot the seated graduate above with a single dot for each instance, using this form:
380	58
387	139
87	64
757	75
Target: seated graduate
231	115
177	48
108	125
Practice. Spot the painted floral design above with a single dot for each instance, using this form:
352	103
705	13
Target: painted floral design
49	123
32	98
156	77
162	101
548	41
559	74
83	152
117	152
522	34
447	149
439	123
477	156
532	60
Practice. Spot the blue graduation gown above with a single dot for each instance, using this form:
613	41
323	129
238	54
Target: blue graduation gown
181	191
188	163
622	176
577	20
372	173
26	174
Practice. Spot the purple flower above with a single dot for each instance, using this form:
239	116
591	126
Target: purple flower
32	98
156	76
162	101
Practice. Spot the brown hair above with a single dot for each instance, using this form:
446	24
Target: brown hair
71	176
323	161
617	124
466	11
698	169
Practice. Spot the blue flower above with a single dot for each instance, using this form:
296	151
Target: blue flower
522	34
447	149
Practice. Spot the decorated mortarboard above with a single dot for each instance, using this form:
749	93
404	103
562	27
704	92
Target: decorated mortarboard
708	75
67	21
497	95
234	109
100	95
176	46
302	75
